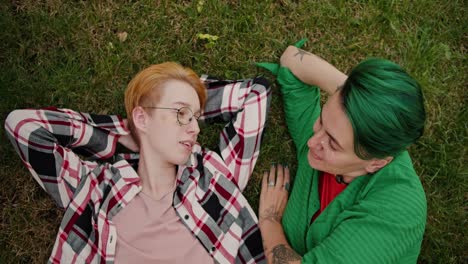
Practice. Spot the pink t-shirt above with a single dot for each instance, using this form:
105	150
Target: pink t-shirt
149	231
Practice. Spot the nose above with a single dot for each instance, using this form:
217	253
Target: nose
316	141
193	127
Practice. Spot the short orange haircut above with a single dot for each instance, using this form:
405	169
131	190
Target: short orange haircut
143	88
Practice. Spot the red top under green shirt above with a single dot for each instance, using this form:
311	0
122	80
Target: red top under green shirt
329	188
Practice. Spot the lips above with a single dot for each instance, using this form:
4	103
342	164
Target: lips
187	144
314	156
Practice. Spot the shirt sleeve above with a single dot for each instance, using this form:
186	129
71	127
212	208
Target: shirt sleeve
382	228
244	105
50	142
301	107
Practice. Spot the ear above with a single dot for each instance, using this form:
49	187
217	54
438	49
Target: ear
140	118
376	164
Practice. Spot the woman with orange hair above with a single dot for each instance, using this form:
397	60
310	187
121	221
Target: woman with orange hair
171	202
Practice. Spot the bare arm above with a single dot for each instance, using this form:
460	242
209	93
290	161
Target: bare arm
312	69
273	199
277	248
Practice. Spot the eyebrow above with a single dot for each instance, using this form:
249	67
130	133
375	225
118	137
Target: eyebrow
330	135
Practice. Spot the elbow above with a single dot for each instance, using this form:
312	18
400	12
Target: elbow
286	59
18	118
262	91
262	81
13	119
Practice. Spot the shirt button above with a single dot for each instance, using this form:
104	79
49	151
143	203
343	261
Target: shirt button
110	240
213	249
186	217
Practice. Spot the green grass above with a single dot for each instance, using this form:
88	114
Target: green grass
67	53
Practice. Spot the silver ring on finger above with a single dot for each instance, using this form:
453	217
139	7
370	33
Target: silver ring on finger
271	183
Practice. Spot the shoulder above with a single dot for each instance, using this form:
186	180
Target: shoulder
397	191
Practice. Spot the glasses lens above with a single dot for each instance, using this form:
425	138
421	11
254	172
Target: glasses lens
184	115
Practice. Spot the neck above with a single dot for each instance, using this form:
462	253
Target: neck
157	177
347	179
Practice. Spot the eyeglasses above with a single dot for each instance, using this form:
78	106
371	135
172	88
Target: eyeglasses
184	114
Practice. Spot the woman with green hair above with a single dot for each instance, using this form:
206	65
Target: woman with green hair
356	197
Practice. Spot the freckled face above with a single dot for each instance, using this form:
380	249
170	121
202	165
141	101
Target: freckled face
168	138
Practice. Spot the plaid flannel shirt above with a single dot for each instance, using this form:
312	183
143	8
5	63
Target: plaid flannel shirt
53	142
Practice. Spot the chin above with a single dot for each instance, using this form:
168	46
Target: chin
318	165
180	160
313	163
318	168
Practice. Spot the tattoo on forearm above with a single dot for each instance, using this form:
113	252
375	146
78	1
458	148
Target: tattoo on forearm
301	53
283	254
270	214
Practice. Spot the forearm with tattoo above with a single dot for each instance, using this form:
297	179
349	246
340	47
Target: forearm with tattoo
273	238
284	255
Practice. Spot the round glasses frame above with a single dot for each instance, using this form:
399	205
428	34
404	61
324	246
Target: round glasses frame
185	115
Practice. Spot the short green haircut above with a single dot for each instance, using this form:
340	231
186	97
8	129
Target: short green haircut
385	107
